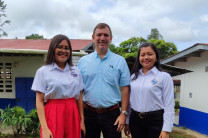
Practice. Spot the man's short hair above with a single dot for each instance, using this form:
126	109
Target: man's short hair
101	26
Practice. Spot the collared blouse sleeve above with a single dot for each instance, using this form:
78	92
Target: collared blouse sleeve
128	114
129	106
39	83
168	101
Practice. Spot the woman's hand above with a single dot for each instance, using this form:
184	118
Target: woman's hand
83	126
47	133
127	131
164	134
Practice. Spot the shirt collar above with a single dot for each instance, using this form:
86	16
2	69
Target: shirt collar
153	70
106	56
55	66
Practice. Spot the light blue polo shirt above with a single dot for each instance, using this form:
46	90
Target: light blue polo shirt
102	78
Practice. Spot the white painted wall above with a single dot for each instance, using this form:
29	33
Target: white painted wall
27	66
75	59
195	83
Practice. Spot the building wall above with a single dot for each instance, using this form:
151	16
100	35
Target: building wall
75	59
194	86
23	70
22	66
193	94
27	66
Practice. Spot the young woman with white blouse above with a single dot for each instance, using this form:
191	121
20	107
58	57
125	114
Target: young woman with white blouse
59	85
151	112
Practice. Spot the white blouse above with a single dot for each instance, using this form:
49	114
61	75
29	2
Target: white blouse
153	91
56	83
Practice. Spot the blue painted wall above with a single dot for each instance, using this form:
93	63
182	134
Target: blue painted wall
194	120
5	102
25	97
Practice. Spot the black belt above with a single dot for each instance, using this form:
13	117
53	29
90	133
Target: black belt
148	114
100	110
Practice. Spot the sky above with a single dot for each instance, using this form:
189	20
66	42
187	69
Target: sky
183	22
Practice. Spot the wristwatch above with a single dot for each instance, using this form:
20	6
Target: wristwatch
124	112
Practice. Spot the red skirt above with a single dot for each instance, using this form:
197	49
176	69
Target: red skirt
63	119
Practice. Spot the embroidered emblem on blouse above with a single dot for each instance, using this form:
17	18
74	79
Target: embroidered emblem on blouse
154	82
74	74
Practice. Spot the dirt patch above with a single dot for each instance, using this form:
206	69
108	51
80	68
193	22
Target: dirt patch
189	132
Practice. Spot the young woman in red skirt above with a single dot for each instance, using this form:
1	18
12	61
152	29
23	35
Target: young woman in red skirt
58	85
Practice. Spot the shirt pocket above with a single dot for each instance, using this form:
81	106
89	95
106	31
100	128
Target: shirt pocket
111	75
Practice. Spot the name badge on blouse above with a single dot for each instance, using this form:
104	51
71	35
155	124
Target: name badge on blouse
154	82
74	74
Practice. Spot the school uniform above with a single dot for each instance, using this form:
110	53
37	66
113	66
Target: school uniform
151	104
62	89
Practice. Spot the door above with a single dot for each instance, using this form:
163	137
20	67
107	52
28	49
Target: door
25	97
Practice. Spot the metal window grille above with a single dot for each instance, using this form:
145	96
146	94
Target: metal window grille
5	77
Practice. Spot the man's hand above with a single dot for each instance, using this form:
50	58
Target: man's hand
120	121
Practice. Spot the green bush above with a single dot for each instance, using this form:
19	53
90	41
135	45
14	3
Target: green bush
33	127
16	118
177	104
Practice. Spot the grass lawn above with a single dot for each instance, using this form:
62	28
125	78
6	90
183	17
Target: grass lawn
180	134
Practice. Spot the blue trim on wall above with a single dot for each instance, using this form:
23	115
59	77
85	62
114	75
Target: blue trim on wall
194	120
4	102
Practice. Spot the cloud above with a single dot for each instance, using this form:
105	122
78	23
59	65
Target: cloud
204	18
178	21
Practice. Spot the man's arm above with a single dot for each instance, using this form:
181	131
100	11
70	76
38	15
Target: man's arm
121	120
124	98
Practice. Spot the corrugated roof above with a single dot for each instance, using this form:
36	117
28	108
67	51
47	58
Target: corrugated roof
39	44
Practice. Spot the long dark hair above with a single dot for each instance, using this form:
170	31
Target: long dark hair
137	66
51	51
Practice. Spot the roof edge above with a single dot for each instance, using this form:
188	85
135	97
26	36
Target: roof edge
32	51
195	47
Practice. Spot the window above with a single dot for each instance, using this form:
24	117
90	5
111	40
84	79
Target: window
5	77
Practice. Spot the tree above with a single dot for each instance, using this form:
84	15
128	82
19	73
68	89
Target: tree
3	22
129	48
34	36
154	34
113	48
165	49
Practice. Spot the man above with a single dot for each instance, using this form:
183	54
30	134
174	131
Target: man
103	72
